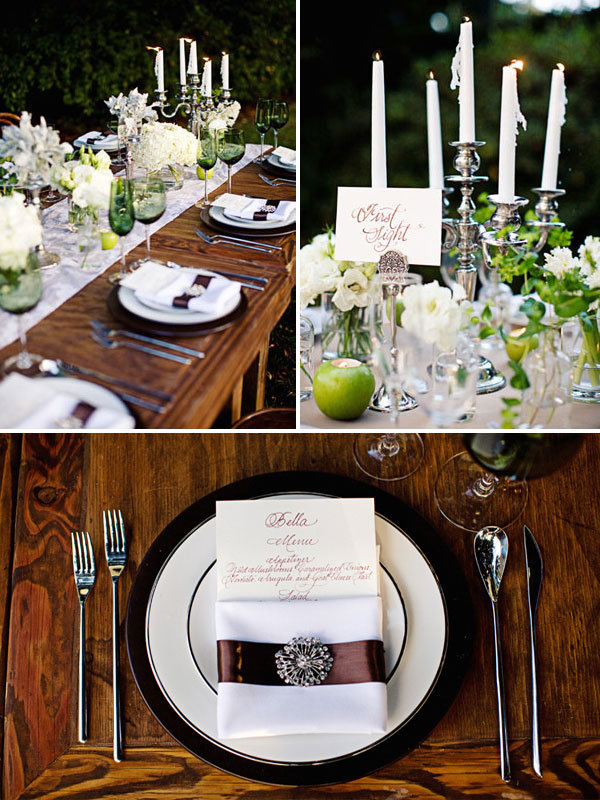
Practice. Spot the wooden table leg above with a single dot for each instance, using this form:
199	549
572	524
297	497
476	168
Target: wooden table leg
236	400
261	377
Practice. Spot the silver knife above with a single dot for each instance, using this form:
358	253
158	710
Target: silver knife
535	571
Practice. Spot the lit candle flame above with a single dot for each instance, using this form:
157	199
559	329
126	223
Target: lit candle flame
205	58
561	66
377	55
516	64
431	75
466	19
157	49
224	52
185	39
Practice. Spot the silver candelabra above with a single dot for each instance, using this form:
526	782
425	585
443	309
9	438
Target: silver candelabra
193	103
500	234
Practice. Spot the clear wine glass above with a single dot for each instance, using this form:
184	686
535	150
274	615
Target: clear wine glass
390	456
262	121
280	116
206	156
20	291
149	203
231	147
121	218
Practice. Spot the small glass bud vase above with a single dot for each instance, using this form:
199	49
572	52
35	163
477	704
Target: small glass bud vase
546	403
89	245
172	176
346	333
78	216
586	360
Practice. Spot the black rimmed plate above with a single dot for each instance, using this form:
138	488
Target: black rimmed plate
233	230
171	638
154	327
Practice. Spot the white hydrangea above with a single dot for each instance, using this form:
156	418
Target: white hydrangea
432	314
92	187
560	261
162	144
20	227
224	117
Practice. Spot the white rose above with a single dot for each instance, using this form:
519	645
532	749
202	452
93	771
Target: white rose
431	314
20	227
352	291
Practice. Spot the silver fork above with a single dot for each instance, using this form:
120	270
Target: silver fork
84	568
104	330
116	558
276	181
219	238
111	345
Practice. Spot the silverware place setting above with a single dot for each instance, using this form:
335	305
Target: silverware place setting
106	332
84	569
226	274
491	552
277	181
232	240
105	341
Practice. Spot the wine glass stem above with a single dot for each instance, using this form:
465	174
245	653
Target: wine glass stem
229	178
206	186
275	138
122	254
262	144
23	359
388	445
147	227
484	486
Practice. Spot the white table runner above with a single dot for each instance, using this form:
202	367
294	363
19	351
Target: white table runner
68	278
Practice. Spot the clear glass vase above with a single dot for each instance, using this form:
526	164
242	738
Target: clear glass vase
346	333
586	359
78	216
172	176
546	403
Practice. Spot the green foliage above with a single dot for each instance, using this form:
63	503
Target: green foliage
65	60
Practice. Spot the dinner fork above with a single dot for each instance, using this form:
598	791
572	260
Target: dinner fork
116	558
84	569
104	331
219	239
276	181
151	350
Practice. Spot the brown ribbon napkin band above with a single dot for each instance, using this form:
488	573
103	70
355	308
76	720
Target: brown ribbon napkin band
254	662
183	300
262	215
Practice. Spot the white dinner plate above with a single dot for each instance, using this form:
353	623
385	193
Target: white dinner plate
175	316
88	392
220	215
276	161
181	643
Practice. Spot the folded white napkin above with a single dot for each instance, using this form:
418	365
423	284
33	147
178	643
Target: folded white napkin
32	404
246	709
262	209
89	135
195	290
286	155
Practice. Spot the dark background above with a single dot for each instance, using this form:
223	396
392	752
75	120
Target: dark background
63	59
336	48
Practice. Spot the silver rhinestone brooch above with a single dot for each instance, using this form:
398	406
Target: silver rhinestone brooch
267	209
303	661
196	290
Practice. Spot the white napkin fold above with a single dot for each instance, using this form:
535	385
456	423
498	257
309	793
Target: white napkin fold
245	709
159	284
106	141
286	155
268	210
33	404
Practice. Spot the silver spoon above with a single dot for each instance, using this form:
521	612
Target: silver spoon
491	550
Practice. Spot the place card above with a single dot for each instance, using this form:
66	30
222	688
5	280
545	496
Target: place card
370	222
234	202
296	549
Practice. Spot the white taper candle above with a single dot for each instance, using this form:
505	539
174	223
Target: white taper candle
378	154
225	71
206	89
463	78
556	119
434	135
193	62
510	116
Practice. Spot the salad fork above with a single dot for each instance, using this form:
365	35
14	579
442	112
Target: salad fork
106	331
116	558
84	568
276	181
132	346
220	238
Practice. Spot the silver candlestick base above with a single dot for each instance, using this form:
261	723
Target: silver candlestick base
503	230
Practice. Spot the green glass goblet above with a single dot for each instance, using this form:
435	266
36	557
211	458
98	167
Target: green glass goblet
20	291
231	147
149	203
121	218
206	157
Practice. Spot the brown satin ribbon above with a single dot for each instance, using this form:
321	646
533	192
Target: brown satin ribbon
261	216
82	411
183	300
254	662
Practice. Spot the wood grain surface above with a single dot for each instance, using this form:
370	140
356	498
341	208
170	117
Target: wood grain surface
66	480
201	389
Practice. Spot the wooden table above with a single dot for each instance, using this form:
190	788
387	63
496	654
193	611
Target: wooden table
57	483
234	369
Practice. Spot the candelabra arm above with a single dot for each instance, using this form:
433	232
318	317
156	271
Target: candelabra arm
546	210
451	238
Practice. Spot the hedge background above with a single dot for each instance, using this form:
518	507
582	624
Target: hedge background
336	99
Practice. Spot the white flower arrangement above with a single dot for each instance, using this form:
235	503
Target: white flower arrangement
354	284
20	230
432	313
586	264
162	144
33	150
87	180
224	118
134	106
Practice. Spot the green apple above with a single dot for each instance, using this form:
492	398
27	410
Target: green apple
399	309
518	346
343	388
200	173
108	240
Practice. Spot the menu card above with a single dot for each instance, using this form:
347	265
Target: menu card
296	549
